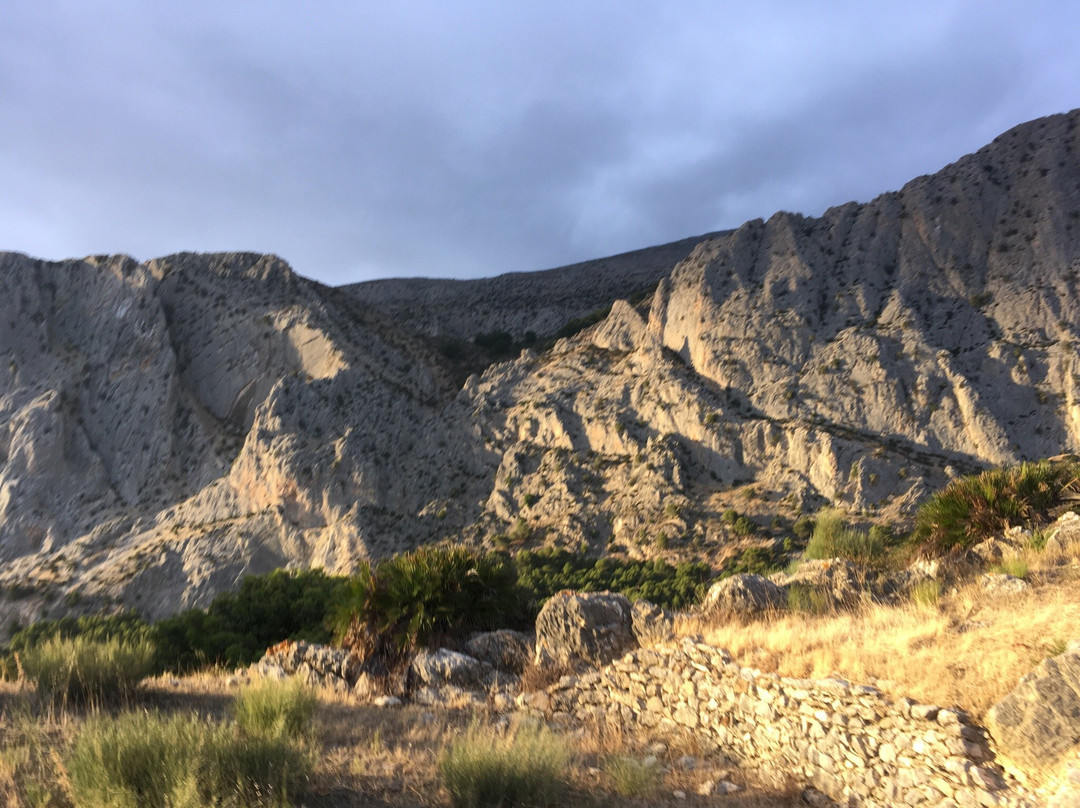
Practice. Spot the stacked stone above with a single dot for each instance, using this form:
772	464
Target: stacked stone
852	742
317	665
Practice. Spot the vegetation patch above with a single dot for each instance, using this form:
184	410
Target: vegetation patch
525	768
545	572
971	509
403	601
147	760
832	538
237	627
79	670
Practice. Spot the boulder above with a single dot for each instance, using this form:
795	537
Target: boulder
1064	534
743	594
505	650
1038	723
838	578
444	667
1001	584
651	623
576	629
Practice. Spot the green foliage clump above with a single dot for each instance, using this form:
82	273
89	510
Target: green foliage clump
277	709
525	768
78	670
971	509
145	760
740	525
404	600
926	593
833	539
237	627
632	777
545	572
128	626
807	599
803	528
754	561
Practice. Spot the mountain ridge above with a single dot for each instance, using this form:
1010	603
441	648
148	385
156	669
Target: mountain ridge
205	416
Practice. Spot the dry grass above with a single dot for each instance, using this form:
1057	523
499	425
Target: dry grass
969	649
370	756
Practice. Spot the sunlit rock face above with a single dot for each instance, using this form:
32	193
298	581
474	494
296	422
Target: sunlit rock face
166	427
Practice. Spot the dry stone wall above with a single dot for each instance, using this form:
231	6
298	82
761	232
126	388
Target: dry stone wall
854	743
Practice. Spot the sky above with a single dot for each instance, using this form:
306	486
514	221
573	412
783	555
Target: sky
362	139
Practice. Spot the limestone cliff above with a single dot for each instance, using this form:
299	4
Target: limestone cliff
167	426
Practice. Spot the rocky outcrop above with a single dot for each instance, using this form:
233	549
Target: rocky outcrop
504	650
854	743
1038	723
577	629
743	594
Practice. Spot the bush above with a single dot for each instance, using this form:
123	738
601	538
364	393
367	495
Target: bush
632	777
807	599
971	509
237	627
545	572
124	626
79	670
276	709
145	760
754	561
803	528
833	539
926	593
524	768
406	599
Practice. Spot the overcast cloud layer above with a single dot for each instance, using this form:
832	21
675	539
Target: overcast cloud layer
362	139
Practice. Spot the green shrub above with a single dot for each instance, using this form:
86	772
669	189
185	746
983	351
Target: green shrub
744	526
404	600
926	593
522	769
807	599
754	561
971	509
545	572
803	528
127	626
79	670
833	539
276	709
145	760
237	627
1015	565
632	777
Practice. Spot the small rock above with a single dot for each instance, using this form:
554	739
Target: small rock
1000	583
386	701
679	795
687	763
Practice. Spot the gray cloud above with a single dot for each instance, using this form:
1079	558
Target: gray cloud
364	140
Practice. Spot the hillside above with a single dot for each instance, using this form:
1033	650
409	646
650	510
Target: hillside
166	427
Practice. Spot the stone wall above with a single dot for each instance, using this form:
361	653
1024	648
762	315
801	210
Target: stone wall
853	743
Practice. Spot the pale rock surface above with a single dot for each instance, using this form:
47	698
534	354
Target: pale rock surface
1038	723
743	594
504	649
576	629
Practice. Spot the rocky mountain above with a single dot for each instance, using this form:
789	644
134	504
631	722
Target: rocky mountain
166	427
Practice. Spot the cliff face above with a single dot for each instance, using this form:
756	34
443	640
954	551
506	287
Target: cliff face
166	427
